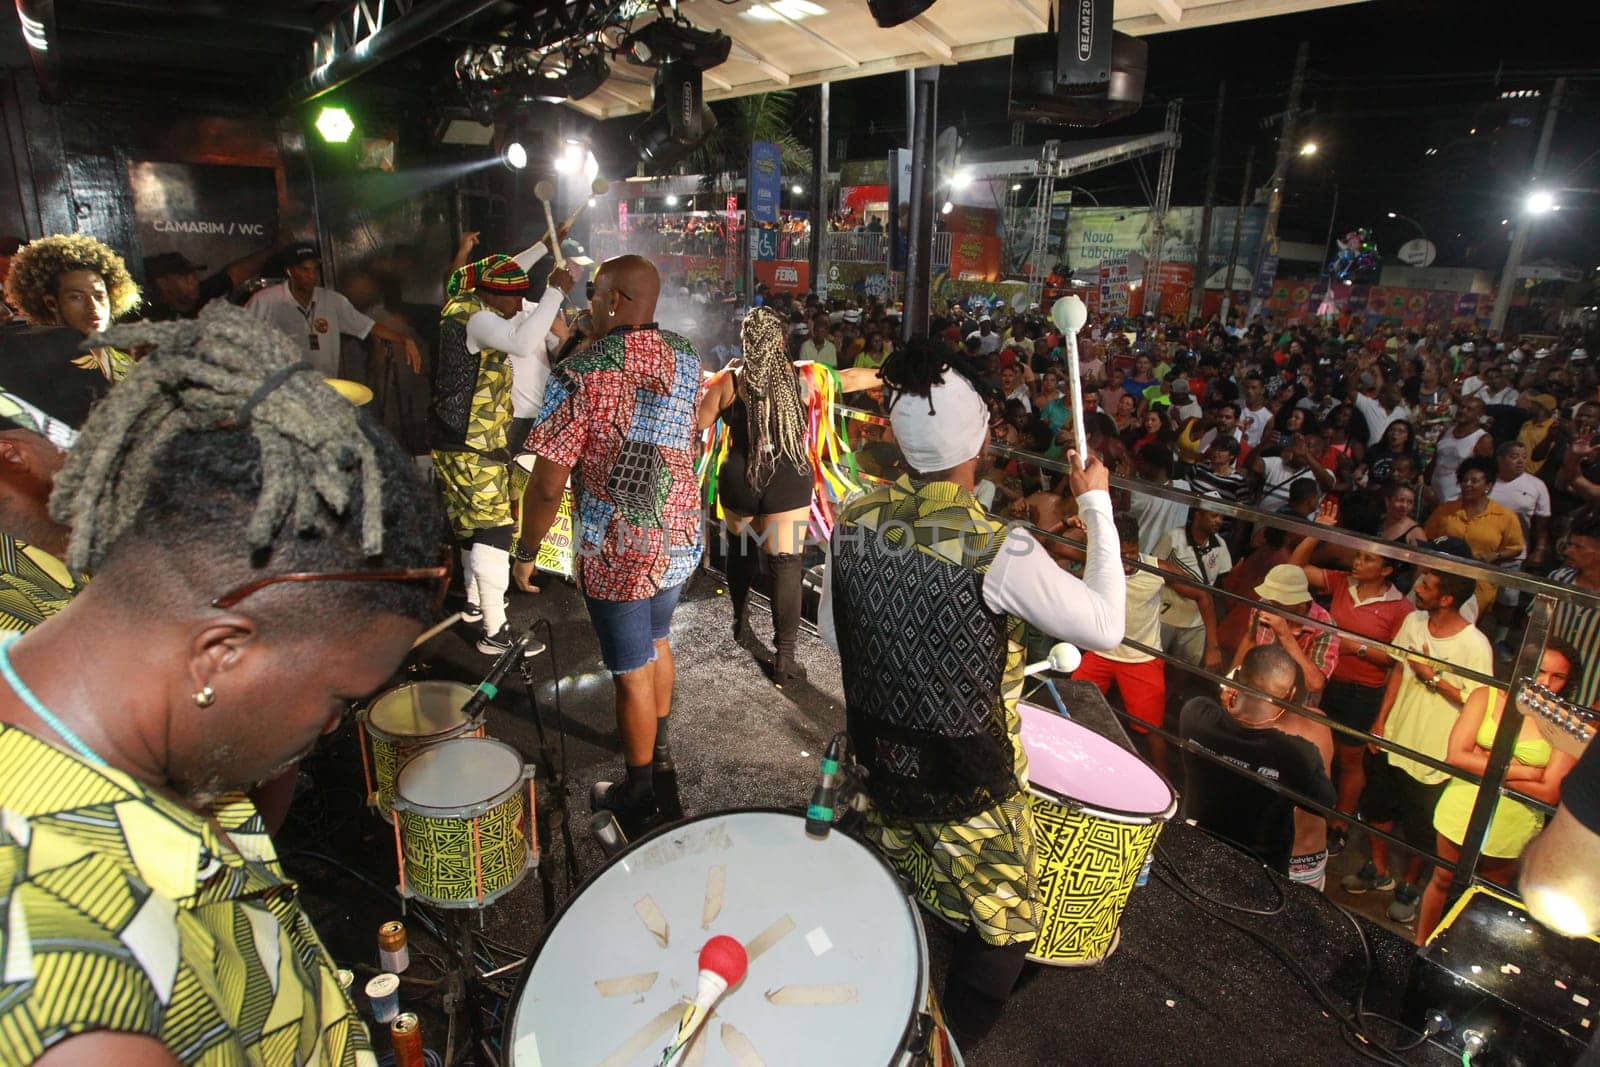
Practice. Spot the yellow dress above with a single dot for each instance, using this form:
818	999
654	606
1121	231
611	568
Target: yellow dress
1513	824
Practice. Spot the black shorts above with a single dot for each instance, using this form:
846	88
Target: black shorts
1393	796
789	489
1352	705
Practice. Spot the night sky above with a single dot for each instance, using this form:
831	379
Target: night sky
1387	80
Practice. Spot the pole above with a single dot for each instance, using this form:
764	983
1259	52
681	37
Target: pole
919	255
819	194
1519	238
1238	225
1327	247
1280	167
1202	255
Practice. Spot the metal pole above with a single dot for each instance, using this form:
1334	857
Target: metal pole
819	194
1238	224
1280	167
1202	254
1158	231
923	174
1519	238
1327	247
1505	738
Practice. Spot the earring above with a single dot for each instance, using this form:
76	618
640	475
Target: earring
205	698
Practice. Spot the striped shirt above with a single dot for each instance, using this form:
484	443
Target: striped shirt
1579	626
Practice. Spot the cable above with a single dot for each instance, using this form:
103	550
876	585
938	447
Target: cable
1278	909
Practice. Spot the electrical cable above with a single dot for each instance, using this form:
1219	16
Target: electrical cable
559	773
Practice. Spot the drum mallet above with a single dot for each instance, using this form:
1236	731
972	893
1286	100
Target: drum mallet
544	191
598	187
434	631
723	963
1069	314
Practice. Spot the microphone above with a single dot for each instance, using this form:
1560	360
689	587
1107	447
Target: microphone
489	688
819	813
723	962
1064	658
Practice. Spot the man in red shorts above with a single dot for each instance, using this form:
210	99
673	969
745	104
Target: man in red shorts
1139	676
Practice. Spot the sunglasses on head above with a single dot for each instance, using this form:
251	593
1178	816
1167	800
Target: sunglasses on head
439	575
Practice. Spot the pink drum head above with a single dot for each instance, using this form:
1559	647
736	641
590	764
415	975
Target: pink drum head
1080	765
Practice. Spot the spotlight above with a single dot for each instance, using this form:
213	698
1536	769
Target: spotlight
961	179
672	199
889	13
335	125
578	75
669	40
514	155
679	121
572	156
1540	201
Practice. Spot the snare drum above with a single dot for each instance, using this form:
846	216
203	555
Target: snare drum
405	720
1097	811
462	823
838	962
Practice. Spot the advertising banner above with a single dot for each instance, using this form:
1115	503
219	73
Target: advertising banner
975	258
765	181
1096	234
785	275
556	550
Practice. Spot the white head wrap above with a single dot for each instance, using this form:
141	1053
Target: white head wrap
956	431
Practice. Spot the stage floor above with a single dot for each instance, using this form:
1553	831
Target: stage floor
1182	987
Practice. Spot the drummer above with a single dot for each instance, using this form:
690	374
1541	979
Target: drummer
925	597
221	467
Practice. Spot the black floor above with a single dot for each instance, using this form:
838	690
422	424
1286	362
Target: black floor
1182	988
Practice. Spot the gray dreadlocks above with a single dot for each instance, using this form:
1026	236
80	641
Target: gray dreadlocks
221	439
776	416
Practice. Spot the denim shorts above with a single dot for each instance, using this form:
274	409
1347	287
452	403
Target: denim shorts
629	629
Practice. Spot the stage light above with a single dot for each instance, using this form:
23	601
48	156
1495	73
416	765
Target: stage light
889	13
669	40
578	75
335	125
1540	201
572	156
514	155
1309	148
672	200
679	120
961	179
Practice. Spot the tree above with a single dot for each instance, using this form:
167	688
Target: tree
722	159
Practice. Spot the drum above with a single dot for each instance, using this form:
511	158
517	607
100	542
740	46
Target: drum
1097	811
462	823
404	720
838	962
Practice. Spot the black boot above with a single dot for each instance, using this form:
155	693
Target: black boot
786	591
744	565
976	988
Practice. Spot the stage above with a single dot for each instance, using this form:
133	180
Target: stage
1183	987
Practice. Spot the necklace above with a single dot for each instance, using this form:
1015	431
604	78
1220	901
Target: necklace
36	705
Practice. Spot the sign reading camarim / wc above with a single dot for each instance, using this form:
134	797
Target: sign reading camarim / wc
211	213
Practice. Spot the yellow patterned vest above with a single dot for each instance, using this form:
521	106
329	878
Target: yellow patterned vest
931	674
471	407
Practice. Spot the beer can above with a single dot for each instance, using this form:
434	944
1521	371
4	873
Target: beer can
393	955
405	1035
384	993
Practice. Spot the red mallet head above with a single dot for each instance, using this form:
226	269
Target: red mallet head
725	957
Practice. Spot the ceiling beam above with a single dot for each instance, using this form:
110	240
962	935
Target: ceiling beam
741	54
934	45
850	60
1171	11
1038	22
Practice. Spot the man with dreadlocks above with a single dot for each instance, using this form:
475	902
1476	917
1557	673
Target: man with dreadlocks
486	337
766	481
75	281
274	554
925	597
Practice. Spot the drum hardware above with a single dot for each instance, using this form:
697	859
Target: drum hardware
1064	658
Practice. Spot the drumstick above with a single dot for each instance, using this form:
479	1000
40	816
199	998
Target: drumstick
434	631
544	191
1069	314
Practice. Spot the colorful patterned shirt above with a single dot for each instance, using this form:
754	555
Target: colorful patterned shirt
34	585
124	911
1320	645
621	414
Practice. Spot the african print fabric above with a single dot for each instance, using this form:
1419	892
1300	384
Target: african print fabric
124	911
982	866
470	414
621	415
113	363
476	490
34	585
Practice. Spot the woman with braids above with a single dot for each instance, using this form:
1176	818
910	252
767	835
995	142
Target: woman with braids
75	281
262	557
926	598
767	478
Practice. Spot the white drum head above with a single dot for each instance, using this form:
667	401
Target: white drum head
840	981
460	773
419	709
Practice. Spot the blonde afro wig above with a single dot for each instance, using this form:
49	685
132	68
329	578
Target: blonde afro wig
38	264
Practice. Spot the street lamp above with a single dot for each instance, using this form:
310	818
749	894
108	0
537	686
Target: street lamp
1540	202
1309	148
1407	218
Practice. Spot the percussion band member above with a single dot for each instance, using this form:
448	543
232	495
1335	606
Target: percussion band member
926	597
263	556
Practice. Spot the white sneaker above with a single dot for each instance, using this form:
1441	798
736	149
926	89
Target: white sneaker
500	642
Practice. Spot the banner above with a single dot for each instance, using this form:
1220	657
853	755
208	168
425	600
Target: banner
556	550
1095	234
765	181
785	276
1173	286
975	258
846	280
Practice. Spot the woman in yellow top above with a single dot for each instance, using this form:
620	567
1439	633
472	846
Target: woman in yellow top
1492	530
1536	771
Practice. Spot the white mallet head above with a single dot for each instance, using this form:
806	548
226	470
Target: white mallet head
599	187
1065	657
1069	313
545	190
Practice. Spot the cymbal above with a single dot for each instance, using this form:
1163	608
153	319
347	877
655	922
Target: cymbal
354	392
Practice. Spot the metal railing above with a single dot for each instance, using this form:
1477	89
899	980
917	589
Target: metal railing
1491	785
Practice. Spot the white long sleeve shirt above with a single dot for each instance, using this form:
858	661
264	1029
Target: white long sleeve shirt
1024	580
522	339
